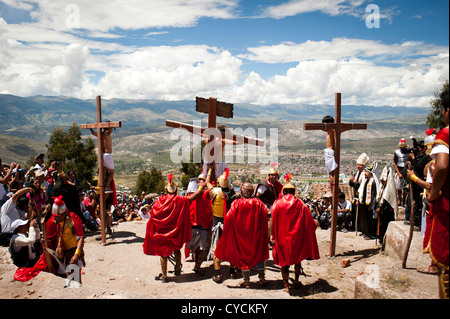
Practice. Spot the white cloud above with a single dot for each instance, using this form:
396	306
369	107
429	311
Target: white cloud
47	57
106	15
361	82
339	48
294	7
170	72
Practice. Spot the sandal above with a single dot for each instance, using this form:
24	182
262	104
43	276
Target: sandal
217	278
232	273
245	284
431	270
161	277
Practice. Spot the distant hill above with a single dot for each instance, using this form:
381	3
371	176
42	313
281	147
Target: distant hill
26	123
19	150
35	117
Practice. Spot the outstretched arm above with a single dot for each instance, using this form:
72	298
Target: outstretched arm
93	132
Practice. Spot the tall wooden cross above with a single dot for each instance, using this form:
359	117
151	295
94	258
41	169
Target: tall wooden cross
338	128
101	180
214	108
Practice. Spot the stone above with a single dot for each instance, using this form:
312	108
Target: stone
345	263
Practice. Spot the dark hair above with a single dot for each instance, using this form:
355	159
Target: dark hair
328	119
288	191
341	195
22	201
444	99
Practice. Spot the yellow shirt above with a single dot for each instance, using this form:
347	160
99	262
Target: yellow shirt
217	202
69	240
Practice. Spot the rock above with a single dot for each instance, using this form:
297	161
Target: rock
395	242
365	289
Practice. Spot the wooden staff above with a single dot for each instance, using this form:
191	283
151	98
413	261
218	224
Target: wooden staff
44	238
411	221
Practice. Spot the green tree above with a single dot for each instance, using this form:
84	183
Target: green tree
149	182
434	118
73	152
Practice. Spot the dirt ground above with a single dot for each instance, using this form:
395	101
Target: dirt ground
120	270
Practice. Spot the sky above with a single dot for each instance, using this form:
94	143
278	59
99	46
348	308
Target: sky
381	52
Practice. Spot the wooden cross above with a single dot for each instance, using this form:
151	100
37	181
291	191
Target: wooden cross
338	128
101	182
214	108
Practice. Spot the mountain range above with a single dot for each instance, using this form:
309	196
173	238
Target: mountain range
26	123
35	117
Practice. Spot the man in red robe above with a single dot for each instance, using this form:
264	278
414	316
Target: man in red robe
65	237
201	222
244	241
168	228
438	239
293	234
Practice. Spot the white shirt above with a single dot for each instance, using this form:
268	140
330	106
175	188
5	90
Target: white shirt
438	148
9	213
22	240
345	205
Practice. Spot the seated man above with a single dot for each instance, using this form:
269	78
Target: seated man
25	245
344	212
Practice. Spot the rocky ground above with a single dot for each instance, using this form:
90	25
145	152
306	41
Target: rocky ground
120	270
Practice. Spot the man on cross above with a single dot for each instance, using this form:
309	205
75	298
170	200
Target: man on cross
330	162
108	161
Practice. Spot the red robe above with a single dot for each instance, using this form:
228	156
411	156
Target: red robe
169	226
244	241
436	240
25	274
293	231
200	211
201	214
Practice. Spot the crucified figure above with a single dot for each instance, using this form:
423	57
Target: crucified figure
108	162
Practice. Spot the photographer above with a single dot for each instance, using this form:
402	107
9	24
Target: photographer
401	156
418	159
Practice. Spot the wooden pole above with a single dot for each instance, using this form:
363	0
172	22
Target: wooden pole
411	223
100	168
335	190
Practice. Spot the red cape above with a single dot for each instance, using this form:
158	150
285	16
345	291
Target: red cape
200	210
25	274
293	231
169	226
244	241
201	214
437	232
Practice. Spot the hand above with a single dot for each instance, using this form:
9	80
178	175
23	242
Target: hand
33	223
74	259
410	173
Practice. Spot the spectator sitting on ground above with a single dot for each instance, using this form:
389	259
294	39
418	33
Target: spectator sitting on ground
14	208
25	249
144	212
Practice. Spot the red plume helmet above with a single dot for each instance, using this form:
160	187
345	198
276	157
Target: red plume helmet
59	207
171	187
430	131
227	173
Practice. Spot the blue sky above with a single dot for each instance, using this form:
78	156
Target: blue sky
262	52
